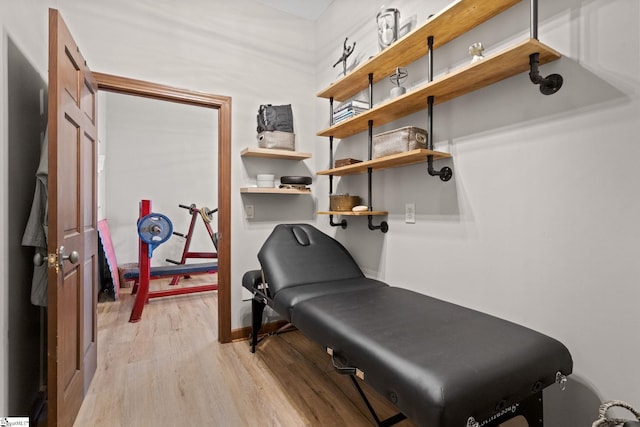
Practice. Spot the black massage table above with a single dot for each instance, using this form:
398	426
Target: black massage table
440	364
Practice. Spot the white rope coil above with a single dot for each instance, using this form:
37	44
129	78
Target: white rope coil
604	421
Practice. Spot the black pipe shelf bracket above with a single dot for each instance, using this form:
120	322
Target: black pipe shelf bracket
384	227
445	173
548	85
343	222
553	82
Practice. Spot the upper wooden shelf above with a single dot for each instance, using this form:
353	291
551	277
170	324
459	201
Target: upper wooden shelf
499	66
459	17
386	162
273	153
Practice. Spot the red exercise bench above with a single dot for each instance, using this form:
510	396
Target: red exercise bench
144	273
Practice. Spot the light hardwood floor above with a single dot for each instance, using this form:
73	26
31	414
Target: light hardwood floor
169	369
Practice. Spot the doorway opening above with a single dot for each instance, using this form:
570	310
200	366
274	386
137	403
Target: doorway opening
222	104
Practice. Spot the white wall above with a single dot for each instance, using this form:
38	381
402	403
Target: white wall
540	223
164	152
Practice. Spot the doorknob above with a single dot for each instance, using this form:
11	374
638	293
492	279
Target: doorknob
56	260
38	259
73	257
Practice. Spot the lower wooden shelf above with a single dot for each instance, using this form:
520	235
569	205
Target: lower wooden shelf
272	190
273	153
351	213
395	160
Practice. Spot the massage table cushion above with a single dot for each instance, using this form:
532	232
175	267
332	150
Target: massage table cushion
434	360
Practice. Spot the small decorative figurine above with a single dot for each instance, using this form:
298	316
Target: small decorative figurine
397	78
476	50
388	21
347	50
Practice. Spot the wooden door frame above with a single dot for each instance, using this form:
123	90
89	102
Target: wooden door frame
160	92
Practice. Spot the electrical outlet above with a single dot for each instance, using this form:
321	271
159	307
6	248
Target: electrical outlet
249	211
410	213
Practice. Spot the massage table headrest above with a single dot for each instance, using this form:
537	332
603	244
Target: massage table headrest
299	254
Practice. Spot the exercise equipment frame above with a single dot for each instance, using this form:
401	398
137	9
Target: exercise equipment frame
146	273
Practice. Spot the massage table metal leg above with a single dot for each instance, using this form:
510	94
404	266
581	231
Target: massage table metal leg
288	327
393	420
355	372
257	308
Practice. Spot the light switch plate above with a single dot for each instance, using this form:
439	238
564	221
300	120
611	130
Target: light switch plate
249	211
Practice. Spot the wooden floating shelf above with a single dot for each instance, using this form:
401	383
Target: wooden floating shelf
351	213
272	153
457	18
267	190
499	66
392	161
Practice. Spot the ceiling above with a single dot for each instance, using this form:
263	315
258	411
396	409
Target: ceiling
308	9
